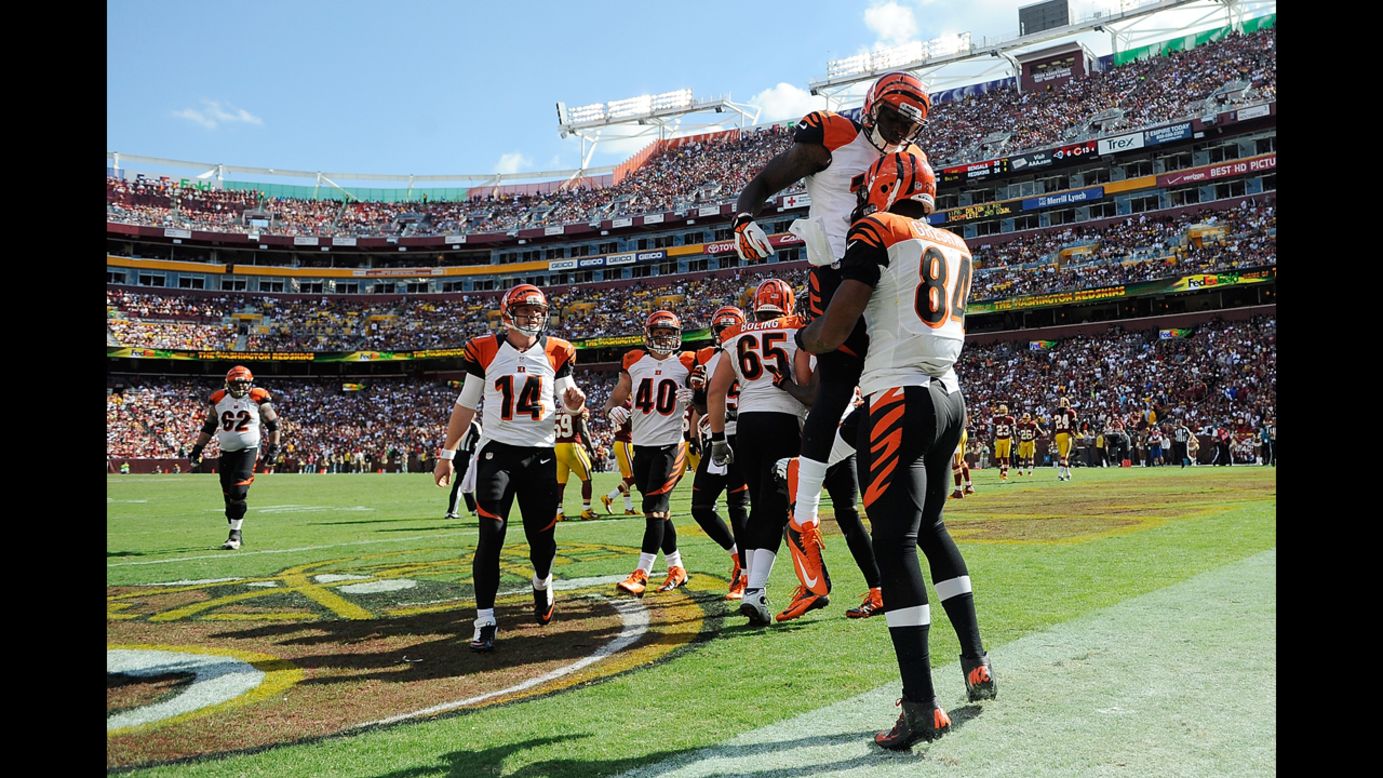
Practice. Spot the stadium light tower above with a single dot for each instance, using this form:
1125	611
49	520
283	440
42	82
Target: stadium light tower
656	112
1132	24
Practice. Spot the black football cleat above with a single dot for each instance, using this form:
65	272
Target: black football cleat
979	678
919	721
484	639
543	605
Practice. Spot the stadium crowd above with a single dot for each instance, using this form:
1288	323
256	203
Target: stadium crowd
714	170
1221	375
1141	247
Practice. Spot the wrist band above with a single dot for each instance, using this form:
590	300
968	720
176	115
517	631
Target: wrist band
446	454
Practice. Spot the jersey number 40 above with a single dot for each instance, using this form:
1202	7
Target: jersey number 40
663	399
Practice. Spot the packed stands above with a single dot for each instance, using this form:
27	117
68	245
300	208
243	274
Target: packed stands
1224	373
1148	91
1138	248
1221	374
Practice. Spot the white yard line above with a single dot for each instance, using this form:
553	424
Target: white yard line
1180	681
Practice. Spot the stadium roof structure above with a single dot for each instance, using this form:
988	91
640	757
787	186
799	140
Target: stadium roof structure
217	171
1132	25
658	113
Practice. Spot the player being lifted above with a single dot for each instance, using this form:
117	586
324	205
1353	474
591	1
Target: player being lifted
656	378
1028	431
832	153
960	469
574	456
523	377
1064	425
712	479
235	415
768	427
910	282
1003	423
624	458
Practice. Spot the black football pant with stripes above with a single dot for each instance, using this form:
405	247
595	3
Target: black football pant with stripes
505	473
706	489
904	460
237	472
761	439
657	469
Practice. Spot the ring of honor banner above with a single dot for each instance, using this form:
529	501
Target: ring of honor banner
128	352
1198	282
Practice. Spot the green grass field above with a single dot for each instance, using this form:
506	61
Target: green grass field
350	604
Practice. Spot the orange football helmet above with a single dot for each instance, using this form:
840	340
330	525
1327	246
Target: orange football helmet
725	317
521	295
662	344
901	175
238	381
906	96
774	297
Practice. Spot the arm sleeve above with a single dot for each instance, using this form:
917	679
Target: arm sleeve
865	252
471	391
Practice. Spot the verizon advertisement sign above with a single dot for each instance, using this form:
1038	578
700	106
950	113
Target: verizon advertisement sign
1264	164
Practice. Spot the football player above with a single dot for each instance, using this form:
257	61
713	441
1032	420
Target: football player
523	378
574	456
656	378
1028	431
960	469
1003	439
624	457
910	282
235	415
710	479
1064	424
832	153
459	486
768	428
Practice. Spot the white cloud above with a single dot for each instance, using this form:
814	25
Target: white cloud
892	23
785	101
513	162
214	113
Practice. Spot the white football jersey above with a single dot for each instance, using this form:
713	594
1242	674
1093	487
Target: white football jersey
710	357
238	420
916	315
752	345
521	399
657	413
833	190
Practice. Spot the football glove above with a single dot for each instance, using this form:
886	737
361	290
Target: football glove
684	395
697	380
751	242
618	415
195	458
721	453
271	453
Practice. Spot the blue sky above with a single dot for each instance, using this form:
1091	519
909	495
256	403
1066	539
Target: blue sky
469	87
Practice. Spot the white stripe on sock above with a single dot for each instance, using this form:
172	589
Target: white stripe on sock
945	590
916	616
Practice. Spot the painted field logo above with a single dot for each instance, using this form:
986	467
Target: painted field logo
204	667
